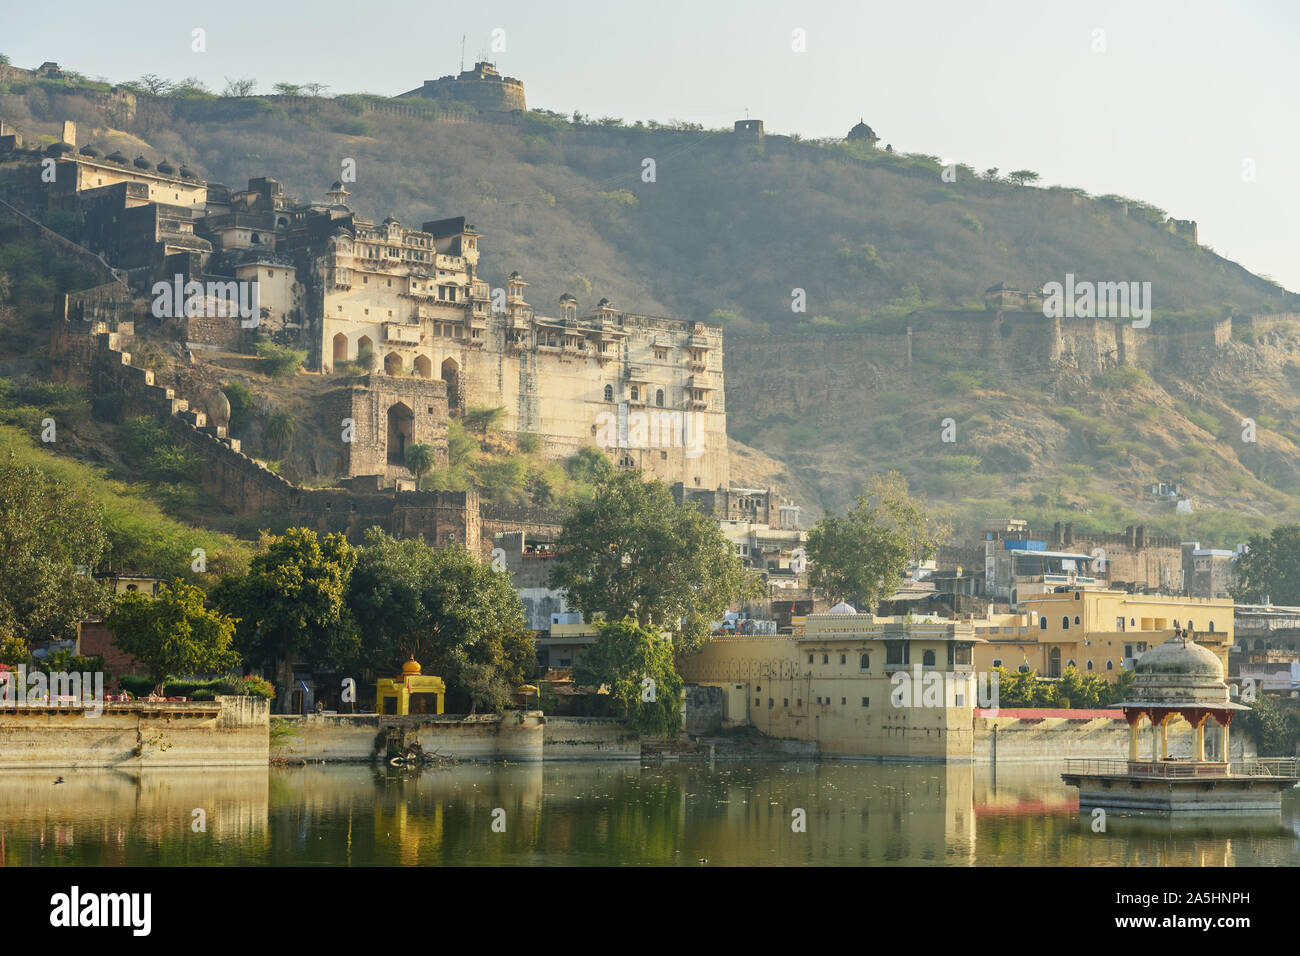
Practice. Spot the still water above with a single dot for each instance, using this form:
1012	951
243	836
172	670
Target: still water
556	814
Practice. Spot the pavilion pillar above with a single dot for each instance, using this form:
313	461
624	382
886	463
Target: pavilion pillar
1200	739
1155	739
1133	741
1223	743
1164	738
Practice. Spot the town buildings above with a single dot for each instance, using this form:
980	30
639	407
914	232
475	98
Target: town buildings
1097	631
855	684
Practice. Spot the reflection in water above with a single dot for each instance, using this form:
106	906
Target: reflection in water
605	814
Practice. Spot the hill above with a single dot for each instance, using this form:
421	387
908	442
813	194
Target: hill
729	228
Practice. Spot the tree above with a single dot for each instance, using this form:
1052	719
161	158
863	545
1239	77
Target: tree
991	174
636	664
240	87
315	89
51	538
279	430
189	88
460	618
173	632
1270	568
863	554
632	551
288	89
1023	176
483	420
420	459
291	607
154	85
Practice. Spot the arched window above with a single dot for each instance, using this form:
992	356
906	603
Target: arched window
659	398
1076	619
1054	662
609	393
1110	665
864	662
1211	627
1042	623
636	394
927	659
1069	663
1089	665
1065	623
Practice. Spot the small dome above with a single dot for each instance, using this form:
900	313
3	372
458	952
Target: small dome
187	173
862	131
567	298
142	163
411	668
117	157
1179	671
91	152
844	607
336	186
166	168
58	149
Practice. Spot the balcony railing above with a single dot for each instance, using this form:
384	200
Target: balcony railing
1254	767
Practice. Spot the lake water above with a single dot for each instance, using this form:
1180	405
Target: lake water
602	814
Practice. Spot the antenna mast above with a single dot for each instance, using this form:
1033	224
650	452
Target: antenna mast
462	53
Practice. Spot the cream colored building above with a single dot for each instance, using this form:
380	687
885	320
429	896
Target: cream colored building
858	685
647	390
1097	631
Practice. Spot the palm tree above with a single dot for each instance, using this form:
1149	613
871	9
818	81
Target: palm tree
420	459
279	430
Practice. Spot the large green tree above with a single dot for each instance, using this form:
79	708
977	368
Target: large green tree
632	551
459	618
291	606
1270	567
861	555
636	664
51	538
173	632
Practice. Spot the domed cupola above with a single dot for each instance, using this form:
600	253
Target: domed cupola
1179	671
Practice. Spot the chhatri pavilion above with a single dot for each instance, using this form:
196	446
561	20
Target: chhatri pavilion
1180	678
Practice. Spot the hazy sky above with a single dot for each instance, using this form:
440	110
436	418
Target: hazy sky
1183	95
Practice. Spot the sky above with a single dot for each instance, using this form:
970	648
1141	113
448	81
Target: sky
1185	104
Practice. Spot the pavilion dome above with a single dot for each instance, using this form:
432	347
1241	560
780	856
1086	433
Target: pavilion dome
844	607
1179	671
862	131
411	668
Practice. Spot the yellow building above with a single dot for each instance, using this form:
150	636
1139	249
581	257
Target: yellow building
410	691
1097	631
855	684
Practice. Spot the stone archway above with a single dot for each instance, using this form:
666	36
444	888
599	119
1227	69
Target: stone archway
366	352
392	364
401	428
451	375
423	366
340	348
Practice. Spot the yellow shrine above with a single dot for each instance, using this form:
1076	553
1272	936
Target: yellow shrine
410	693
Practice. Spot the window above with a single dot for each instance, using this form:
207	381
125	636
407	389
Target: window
1110	666
864	663
770	703
1065	623
997	662
1089	665
1076	620
758	702
826	658
927	659
636	394
843	701
810	658
1042	623
659	398
843	659
1211	626
897	652
785	701
1119	624
609	393
866	702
